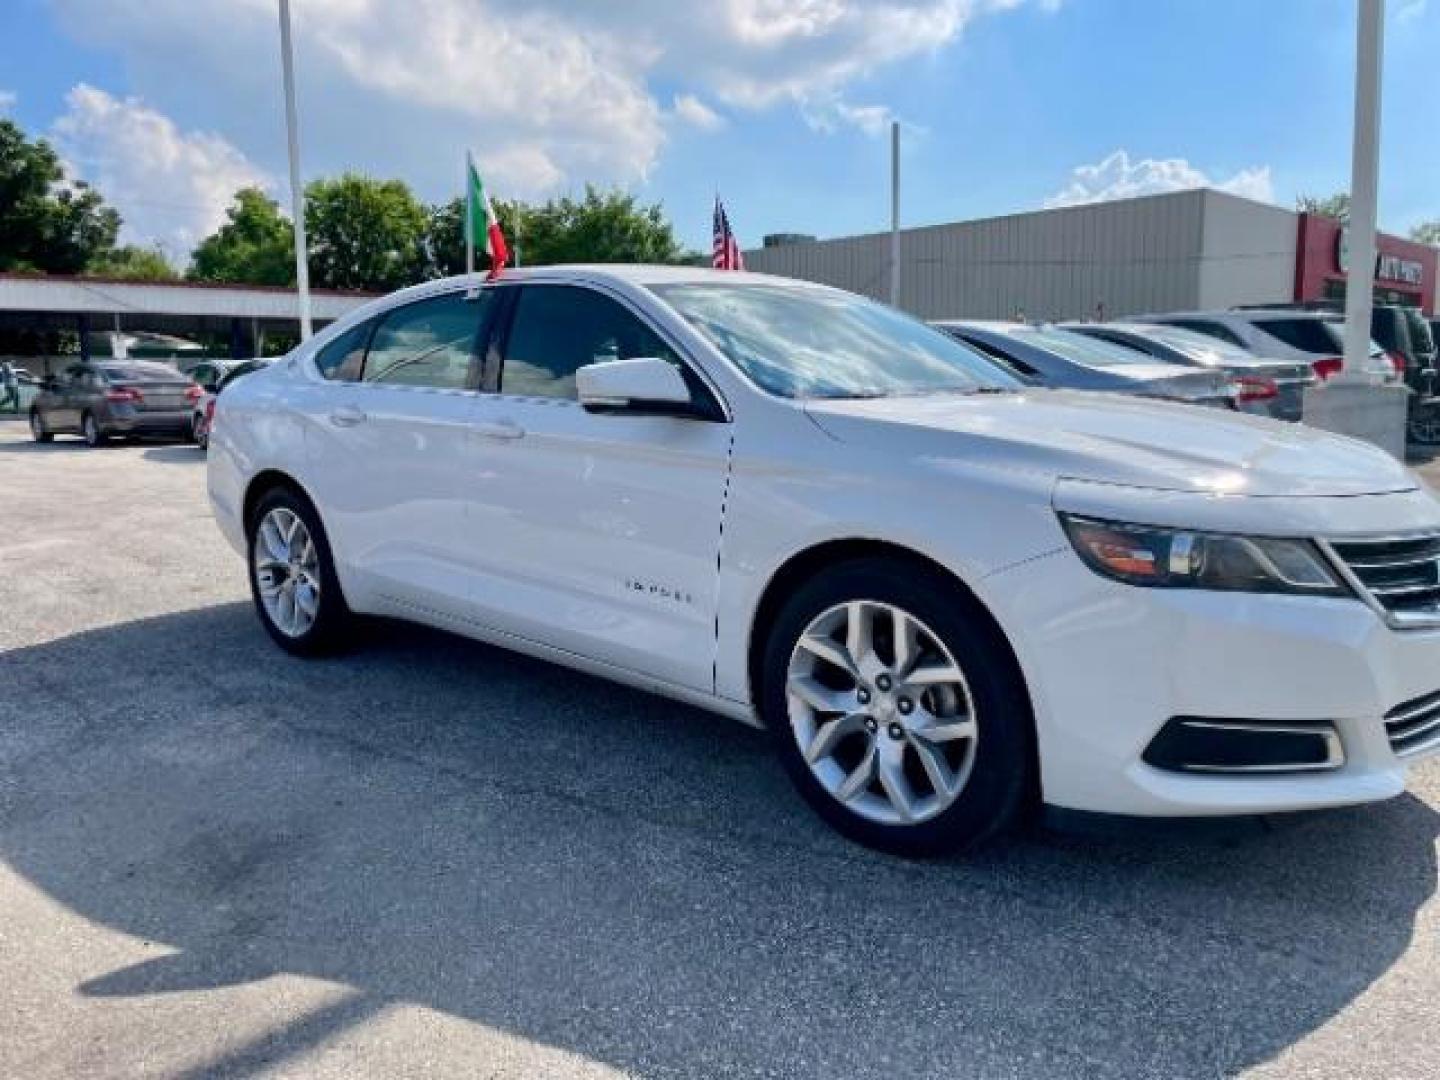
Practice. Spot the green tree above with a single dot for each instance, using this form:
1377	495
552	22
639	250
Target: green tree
1427	232
255	246
47	224
135	263
1335	206
365	233
602	227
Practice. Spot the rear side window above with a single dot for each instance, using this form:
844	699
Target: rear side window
344	358
429	343
558	329
1005	359
1307	335
1211	329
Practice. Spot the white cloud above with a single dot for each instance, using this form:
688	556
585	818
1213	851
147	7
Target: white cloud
1117	177
696	113
170	186
1410	10
566	87
7	99
832	113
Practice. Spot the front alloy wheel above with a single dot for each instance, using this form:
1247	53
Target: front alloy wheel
881	712
897	708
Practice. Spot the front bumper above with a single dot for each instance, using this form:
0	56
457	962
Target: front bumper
1108	665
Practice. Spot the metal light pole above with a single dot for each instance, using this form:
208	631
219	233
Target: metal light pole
1364	185
895	213
297	196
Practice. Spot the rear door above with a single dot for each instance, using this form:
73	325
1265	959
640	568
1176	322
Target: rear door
600	532
392	451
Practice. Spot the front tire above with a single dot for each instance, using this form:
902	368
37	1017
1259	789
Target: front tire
38	431
91	431
292	576
898	710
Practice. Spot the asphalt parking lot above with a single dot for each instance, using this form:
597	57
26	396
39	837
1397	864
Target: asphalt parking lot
434	858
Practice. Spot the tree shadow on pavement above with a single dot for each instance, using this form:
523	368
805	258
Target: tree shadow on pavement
434	821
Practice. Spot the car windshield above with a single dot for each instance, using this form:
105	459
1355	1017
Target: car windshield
140	373
1079	348
804	342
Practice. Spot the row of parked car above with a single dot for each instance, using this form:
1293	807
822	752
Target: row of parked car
102	399
1254	360
1257	360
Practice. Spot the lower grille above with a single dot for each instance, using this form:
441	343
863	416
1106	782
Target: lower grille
1400	575
1414	725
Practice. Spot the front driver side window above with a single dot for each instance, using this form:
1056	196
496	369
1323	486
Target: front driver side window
558	329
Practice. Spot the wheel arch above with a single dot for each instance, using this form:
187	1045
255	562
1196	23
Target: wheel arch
269	480
812	561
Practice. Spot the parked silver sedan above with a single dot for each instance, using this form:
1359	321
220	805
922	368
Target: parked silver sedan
1049	356
114	397
1267	387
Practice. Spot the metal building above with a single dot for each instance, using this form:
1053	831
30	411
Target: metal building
1185	250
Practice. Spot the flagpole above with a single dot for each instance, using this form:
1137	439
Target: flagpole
297	196
469	217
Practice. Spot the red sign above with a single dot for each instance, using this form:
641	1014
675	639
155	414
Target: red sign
1404	270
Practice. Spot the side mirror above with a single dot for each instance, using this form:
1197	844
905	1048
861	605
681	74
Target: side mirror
644	385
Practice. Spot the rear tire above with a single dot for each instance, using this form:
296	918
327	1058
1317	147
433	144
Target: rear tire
199	433
932	748
292	576
38	431
91	431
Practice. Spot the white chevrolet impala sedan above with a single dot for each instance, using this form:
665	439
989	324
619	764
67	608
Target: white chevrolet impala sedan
947	597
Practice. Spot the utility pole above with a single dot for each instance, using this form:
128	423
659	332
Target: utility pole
895	213
297	196
1364	185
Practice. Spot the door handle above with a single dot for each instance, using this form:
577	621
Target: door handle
500	429
346	416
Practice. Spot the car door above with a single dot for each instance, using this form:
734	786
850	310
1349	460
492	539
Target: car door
600	532
392	447
73	396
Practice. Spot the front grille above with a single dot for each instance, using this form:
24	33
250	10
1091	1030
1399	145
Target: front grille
1401	575
1415	725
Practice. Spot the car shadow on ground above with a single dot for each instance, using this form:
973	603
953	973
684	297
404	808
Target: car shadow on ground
62	444
434	821
175	454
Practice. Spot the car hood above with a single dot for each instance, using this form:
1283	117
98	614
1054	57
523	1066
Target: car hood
1116	439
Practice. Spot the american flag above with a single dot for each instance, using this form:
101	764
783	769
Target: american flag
724	251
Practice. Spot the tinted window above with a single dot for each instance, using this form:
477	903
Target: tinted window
1007	361
430	343
140	373
343	359
806	342
1421	339
1307	335
558	329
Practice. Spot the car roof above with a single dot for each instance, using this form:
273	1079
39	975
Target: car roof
998	326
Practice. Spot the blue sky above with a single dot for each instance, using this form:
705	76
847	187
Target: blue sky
781	105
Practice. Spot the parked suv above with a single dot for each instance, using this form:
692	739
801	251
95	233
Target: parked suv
1316	337
114	397
946	595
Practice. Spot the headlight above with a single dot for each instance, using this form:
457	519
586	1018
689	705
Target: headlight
1180	559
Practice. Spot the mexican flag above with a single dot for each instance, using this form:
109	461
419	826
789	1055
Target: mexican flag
482	227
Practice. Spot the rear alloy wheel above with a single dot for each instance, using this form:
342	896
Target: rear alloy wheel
897	712
90	430
1423	426
292	577
37	427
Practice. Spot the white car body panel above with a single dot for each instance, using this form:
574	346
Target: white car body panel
640	547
